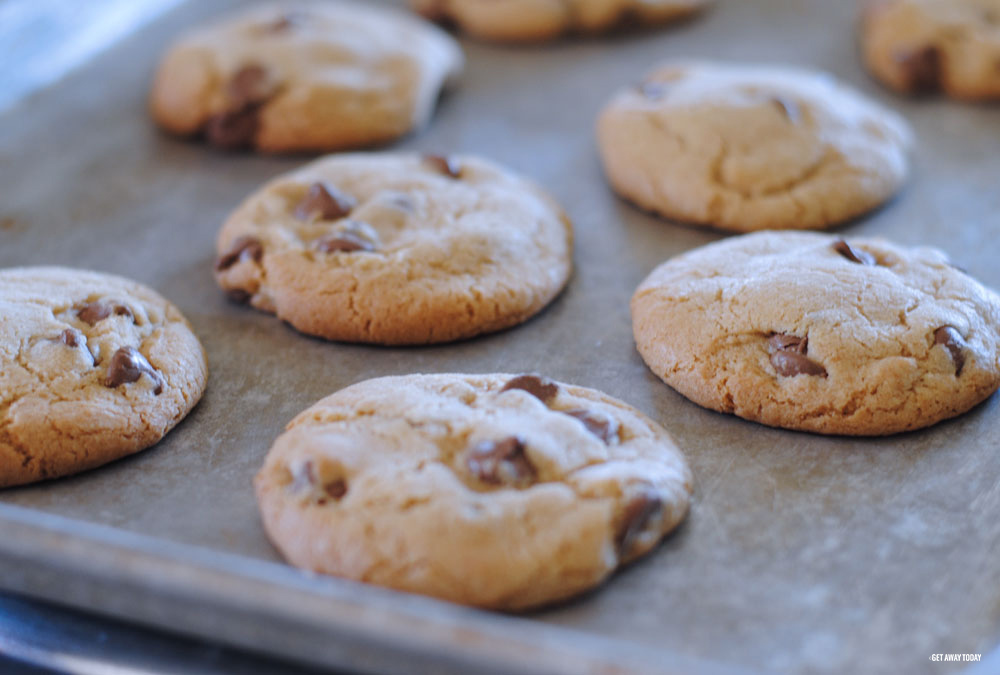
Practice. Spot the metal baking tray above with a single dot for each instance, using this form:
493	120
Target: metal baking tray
802	554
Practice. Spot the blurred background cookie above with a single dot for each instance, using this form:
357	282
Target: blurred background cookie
539	20
930	46
751	147
304	77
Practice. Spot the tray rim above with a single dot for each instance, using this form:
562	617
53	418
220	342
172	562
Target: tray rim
248	603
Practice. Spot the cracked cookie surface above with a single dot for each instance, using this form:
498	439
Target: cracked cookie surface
93	367
397	248
811	332
464	488
747	148
931	46
304	77
538	20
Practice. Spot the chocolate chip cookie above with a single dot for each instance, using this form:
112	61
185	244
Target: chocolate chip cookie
396	249
748	148
931	46
304	77
92	368
812	332
500	491
539	20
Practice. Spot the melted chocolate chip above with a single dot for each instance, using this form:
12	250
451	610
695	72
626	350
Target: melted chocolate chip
71	337
326	202
243	248
306	481
540	387
603	426
233	130
853	254
790	364
501	462
954	343
640	511
352	238
790	109
99	310
790	343
127	365
446	165
337	489
250	85
921	69
239	296
236	126
788	356
344	242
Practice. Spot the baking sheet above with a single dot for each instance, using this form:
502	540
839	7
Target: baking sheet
801	554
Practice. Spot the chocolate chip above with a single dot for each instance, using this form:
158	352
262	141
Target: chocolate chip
242	249
540	387
501	462
788	356
99	310
446	165
233	130
250	85
791	343
236	126
239	296
790	109
954	343
853	254
71	337
325	201
306	481
921	69
639	513
127	365
603	426
337	489
351	239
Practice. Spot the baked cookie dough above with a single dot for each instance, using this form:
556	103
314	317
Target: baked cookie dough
930	46
500	491
539	20
397	249
808	331
92	368
748	148
304	77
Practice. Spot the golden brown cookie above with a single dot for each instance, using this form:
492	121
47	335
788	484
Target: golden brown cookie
397	249
748	148
304	77
92	368
490	490
539	20
812	332
930	46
